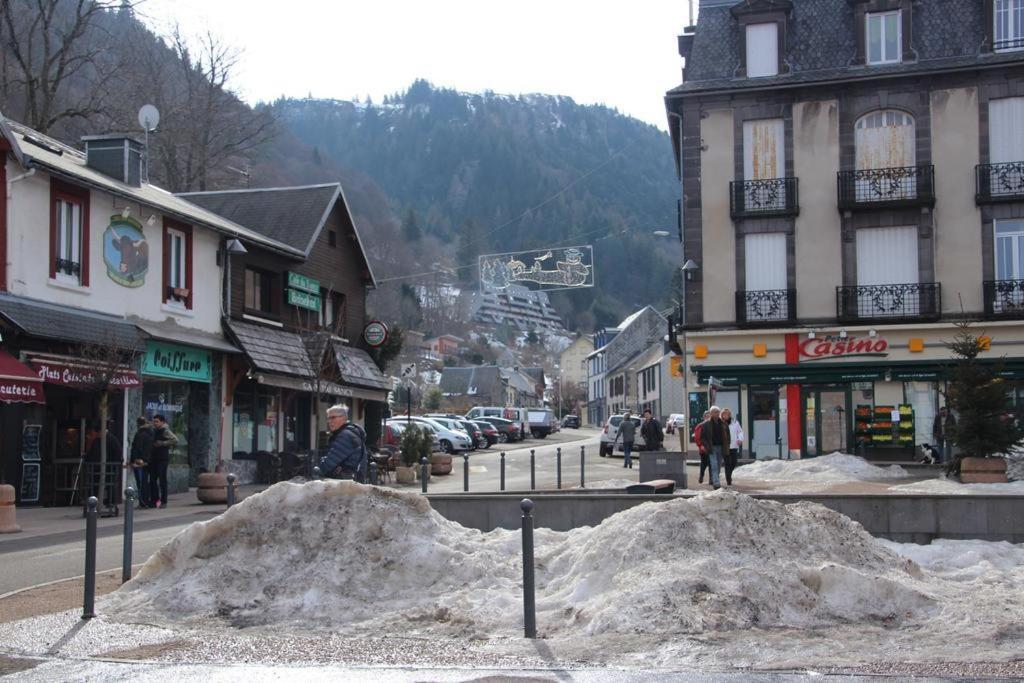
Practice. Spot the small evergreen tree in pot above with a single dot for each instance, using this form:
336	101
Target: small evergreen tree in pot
977	395
413	439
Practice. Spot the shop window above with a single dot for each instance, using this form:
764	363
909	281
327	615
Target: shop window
69	234
266	425
170	399
242	426
1009	248
884	37
1009	25
258	285
177	265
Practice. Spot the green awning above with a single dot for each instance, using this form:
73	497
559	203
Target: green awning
824	373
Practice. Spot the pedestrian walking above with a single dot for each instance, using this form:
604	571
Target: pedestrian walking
651	431
164	440
735	443
346	449
627	431
714	434
700	446
942	427
142	451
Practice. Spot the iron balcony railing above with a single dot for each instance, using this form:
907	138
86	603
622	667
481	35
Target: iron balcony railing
764	197
1004	298
872	188
910	301
1008	44
999	182
765	306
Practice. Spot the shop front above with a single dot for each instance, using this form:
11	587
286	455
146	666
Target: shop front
22	409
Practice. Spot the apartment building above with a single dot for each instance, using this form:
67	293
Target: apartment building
853	184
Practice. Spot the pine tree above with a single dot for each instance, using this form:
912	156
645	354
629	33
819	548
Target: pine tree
471	240
977	395
411	230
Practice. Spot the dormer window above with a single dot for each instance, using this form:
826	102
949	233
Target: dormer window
762	50
884	32
1008	25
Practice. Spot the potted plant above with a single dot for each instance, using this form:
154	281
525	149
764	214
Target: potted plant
984	428
410	449
440	463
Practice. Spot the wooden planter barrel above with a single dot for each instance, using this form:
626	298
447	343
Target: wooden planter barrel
213	487
405	475
8	521
983	471
440	463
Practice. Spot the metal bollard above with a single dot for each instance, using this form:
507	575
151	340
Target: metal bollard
583	464
423	474
533	471
558	467
129	521
529	604
503	470
316	474
465	472
89	604
373	473
231	489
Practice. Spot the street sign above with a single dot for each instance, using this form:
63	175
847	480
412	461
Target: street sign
408	370
375	333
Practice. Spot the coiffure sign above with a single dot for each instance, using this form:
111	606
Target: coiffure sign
835	347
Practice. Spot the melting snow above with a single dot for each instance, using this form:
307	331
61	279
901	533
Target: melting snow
836	467
944	486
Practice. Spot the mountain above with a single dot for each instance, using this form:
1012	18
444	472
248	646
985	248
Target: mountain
492	173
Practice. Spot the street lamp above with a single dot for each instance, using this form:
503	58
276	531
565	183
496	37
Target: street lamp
688	269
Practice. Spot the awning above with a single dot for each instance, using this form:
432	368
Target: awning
271	350
818	373
18	384
183	335
81	373
325	387
44	320
358	369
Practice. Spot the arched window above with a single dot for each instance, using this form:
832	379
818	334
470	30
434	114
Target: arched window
885	139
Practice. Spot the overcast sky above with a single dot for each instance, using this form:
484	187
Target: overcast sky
621	54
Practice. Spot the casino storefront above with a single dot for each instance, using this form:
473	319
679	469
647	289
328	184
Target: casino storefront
873	392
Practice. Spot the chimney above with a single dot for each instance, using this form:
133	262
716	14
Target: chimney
116	155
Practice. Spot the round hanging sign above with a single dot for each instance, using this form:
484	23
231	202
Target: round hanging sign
375	333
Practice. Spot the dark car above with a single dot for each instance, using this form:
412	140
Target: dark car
571	421
489	431
479	440
508	431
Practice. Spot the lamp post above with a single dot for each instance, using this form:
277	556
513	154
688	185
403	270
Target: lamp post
688	268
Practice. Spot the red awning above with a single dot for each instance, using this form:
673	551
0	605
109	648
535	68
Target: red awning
18	384
73	372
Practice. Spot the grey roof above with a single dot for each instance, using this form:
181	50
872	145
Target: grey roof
358	368
482	380
270	349
520	382
820	45
45	320
536	374
292	215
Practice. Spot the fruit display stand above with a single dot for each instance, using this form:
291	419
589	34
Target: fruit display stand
875	428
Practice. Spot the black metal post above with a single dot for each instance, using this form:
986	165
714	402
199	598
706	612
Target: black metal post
583	464
533	471
231	489
558	467
423	474
129	521
529	604
503	470
316	473
89	603
373	473
465	472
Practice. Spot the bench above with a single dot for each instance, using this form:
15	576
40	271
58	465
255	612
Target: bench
665	486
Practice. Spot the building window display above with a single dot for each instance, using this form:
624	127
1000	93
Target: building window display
170	399
255	421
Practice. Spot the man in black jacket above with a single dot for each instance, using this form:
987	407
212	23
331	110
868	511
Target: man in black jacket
651	431
142	450
714	436
160	457
346	450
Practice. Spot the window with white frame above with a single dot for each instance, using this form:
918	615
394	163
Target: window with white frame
884	32
1009	249
177	255
762	50
68	247
1008	30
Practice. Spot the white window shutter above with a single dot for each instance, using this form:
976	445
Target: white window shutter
765	261
1006	130
762	50
764	149
887	256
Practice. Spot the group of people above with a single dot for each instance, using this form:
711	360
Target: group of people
149	458
650	430
719	438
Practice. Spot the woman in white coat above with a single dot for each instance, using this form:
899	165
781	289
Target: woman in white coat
735	443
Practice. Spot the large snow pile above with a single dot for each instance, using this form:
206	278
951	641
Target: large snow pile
836	467
1015	465
343	555
943	486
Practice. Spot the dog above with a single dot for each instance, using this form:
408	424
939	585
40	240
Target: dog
928	454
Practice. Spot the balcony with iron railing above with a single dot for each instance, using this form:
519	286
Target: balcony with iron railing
764	197
999	182
895	302
1004	298
765	307
887	188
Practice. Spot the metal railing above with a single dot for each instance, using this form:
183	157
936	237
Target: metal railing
764	197
999	182
765	306
887	187
1004	298
909	301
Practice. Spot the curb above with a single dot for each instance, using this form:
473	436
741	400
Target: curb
45	584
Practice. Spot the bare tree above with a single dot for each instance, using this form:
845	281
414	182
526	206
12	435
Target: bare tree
49	47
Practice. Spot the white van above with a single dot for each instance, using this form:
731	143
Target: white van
517	415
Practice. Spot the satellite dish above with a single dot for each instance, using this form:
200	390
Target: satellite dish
149	117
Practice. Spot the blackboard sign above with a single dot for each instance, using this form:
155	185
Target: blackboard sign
29	483
30	442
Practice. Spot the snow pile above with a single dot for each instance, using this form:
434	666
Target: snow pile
836	467
965	560
1015	465
724	561
329	552
943	486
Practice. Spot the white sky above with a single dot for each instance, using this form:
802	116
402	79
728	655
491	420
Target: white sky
621	54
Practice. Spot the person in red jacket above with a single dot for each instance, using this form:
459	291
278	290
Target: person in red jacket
704	462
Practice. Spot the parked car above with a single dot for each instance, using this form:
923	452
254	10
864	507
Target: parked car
517	415
674	422
456	426
571	421
540	422
393	429
475	433
611	430
450	441
489	431
508	431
